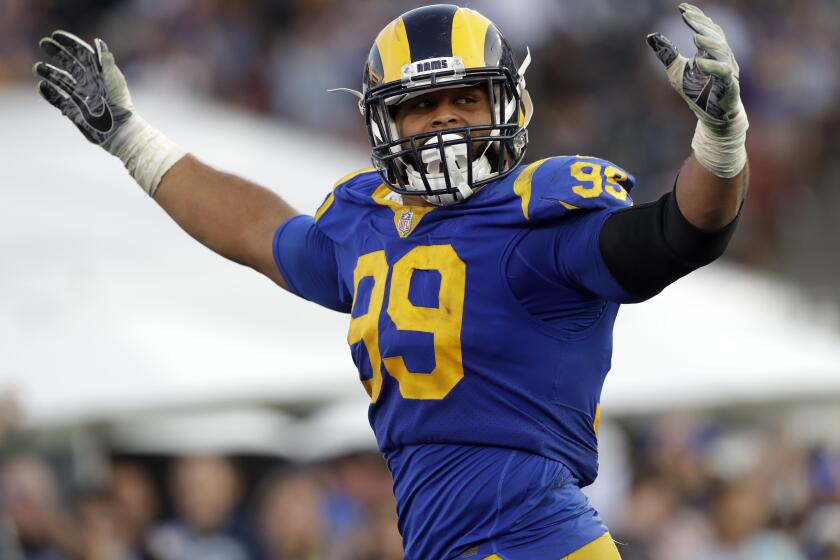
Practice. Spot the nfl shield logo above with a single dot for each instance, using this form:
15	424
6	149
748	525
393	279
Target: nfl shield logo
404	225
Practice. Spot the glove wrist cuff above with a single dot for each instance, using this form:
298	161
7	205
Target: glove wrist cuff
145	151
720	148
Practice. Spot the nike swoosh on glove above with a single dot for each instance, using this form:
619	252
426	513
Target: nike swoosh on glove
88	88
85	85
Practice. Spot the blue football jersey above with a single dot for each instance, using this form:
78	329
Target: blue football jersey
482	331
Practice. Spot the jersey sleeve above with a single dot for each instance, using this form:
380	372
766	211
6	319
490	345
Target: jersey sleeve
566	255
621	254
306	259
566	200
555	187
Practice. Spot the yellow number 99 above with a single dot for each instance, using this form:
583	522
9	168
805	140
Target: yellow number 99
443	321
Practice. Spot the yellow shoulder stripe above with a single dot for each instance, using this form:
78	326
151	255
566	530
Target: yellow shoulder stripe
522	185
330	199
350	176
324	207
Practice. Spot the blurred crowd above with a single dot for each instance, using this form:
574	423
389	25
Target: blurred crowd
596	87
338	511
679	487
707	490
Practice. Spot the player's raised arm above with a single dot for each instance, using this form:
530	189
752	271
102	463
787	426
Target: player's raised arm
651	245
233	217
713	182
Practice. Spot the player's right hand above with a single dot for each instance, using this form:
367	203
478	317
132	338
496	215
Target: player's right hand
709	81
85	85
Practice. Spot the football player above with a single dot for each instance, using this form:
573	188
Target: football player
481	292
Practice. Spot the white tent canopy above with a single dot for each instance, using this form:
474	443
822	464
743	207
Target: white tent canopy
722	335
107	308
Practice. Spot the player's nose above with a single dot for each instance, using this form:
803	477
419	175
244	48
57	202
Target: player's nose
445	116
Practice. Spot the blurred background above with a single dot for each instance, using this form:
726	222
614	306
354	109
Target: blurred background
159	403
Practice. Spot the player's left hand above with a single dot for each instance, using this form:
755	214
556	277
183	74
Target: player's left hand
709	81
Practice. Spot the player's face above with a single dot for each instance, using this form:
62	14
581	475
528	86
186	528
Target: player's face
443	109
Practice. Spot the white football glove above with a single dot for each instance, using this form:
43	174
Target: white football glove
89	89
709	84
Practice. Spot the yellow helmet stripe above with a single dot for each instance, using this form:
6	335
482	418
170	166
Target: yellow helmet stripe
394	49
469	30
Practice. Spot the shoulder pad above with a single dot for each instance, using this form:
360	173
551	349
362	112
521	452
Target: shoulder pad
334	216
552	187
344	182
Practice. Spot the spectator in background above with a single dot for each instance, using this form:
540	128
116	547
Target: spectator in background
292	517
10	414
740	512
362	482
136	504
362	479
205	491
29	499
657	524
100	530
377	537
678	444
821	533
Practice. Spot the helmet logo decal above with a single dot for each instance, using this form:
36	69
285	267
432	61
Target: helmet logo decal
452	66
431	65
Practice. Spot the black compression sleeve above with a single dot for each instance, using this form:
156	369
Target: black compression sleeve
647	247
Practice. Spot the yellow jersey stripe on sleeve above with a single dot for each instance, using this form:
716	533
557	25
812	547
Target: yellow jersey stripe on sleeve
330	199
522	185
325	206
350	176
